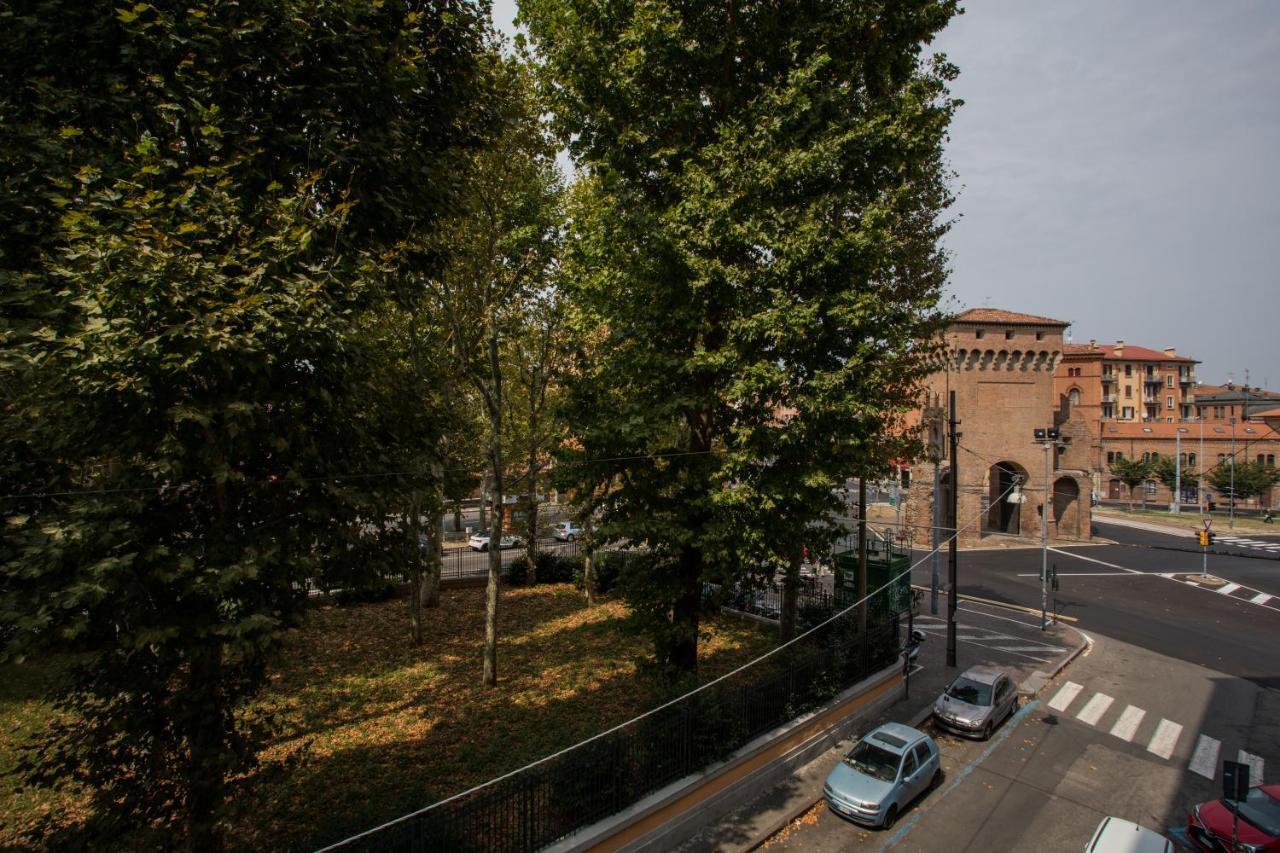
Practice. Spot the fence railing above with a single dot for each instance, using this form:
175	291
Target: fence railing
547	801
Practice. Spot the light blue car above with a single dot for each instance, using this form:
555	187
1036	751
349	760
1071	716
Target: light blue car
883	774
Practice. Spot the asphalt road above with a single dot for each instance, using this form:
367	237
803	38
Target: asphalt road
1142	593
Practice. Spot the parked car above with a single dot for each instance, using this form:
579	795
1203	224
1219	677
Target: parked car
1258	830
882	775
480	541
566	531
977	701
1116	835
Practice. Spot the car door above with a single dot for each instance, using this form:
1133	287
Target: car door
925	767
1005	697
910	778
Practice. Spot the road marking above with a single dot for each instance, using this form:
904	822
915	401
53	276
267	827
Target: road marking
1127	726
1255	766
1228	589
1093	711
941	633
1065	696
1205	759
1261	598
1165	738
1086	574
1030	648
1099	562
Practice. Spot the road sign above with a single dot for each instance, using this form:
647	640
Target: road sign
1208	523
1235	781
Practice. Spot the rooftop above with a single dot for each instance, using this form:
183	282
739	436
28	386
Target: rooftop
1190	429
1007	318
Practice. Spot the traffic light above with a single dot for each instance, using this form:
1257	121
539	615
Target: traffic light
1206	538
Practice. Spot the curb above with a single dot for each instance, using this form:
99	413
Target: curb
1005	604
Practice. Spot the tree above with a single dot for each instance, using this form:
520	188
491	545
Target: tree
756	238
200	207
1131	472
1165	469
502	240
1250	479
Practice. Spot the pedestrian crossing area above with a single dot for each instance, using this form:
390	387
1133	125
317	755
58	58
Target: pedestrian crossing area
1161	737
1221	587
1264	545
1021	641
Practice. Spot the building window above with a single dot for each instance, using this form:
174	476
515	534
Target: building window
1127	413
1128	392
1074	396
1008	334
1217	412
1106	370
1222	457
1271	460
1168	402
1150	487
1113	456
1039	336
1128	370
979	333
1168	381
1191	459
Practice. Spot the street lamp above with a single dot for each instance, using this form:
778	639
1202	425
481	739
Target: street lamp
1177	470
1231	499
1046	437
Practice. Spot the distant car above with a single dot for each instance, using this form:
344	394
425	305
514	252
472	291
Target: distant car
882	775
566	531
480	541
1209	824
1116	835
977	701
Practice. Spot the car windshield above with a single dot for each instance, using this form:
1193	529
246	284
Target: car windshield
1260	809
967	690
872	760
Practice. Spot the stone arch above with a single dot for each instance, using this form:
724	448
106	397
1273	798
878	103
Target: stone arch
1073	396
1003	516
1066	507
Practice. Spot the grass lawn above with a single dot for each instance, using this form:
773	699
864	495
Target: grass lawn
1194	520
382	729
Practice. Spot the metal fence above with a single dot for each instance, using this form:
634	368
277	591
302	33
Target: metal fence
543	803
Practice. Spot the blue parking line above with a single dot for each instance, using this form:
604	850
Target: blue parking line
1008	727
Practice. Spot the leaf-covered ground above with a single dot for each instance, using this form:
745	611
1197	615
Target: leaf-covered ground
380	728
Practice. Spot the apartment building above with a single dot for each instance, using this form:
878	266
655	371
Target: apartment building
1224	404
1125	383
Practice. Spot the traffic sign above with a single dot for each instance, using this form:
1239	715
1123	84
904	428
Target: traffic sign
1208	523
1235	781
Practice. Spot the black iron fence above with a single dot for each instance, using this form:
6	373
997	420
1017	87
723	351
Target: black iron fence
543	803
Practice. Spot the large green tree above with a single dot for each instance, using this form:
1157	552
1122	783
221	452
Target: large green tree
1131	472
200	203
1249	479
757	239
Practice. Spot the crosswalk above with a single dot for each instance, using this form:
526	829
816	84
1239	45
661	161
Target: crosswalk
1019	646
1268	546
1161	737
1231	590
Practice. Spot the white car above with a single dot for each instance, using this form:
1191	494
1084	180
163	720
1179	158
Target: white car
1116	835
566	531
480	541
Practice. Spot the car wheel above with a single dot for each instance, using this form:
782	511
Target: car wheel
484	548
986	732
569	538
890	817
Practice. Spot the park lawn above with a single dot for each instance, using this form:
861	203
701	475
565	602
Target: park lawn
1243	524
375	728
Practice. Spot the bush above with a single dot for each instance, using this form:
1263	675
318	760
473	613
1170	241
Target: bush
608	566
552	568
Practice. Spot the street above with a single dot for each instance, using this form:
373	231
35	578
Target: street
1182	673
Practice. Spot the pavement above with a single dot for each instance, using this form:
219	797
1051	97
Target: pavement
986	634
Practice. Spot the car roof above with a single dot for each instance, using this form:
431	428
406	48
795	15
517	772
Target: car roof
982	674
1117	835
899	738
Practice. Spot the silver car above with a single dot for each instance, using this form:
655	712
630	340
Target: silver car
975	703
882	774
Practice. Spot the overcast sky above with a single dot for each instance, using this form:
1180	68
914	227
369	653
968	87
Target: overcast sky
1118	167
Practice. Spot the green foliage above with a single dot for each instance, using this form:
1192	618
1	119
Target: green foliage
1250	479
551	568
1165	469
201	207
754	267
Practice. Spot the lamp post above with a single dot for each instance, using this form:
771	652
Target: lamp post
1177	469
1231	499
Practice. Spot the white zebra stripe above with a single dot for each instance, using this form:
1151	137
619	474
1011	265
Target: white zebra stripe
1093	711
1165	738
1255	766
1127	726
1205	759
1228	589
1065	696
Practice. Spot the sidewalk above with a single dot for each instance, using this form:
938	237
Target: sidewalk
1150	526
753	824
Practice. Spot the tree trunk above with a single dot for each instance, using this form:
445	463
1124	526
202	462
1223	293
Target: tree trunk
790	597
205	780
429	592
589	575
686	613
484	497
416	578
457	516
495	531
531	546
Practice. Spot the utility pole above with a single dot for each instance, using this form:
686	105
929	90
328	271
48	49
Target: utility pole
1044	542
937	535
1231	499
1177	470
954	477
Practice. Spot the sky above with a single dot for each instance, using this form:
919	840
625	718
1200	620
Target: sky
1118	167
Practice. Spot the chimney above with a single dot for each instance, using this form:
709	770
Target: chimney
1093	343
1119	348
1172	352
